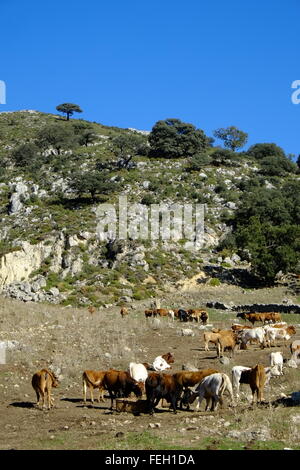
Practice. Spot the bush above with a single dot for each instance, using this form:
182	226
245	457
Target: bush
173	138
275	166
198	161
223	157
26	155
214	282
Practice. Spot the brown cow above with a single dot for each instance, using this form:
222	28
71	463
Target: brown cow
198	314
124	311
42	382
162	312
93	379
256	378
149	313
187	379
120	384
262	317
160	386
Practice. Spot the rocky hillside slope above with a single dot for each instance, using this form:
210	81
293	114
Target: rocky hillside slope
49	246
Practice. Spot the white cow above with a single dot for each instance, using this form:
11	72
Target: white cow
160	364
276	360
138	372
253	334
171	314
212	389
237	372
278	333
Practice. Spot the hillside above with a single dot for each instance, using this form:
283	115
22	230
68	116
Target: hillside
50	249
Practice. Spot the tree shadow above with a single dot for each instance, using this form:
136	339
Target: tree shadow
23	404
236	276
287	402
72	400
77	202
89	405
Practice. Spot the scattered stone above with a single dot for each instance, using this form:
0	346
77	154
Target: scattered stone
292	363
187	332
189	367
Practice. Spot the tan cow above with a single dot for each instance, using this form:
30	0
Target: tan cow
42	382
226	340
93	379
210	337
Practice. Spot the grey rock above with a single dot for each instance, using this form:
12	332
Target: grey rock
189	367
54	291
224	360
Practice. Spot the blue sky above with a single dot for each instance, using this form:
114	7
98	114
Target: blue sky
131	63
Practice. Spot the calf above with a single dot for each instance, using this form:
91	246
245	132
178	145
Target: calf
42	382
93	379
212	388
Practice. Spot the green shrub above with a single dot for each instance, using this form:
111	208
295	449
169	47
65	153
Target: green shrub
214	282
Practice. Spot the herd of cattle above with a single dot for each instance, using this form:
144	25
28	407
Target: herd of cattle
180	389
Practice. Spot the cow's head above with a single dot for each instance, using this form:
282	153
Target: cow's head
240	315
188	397
138	389
169	358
